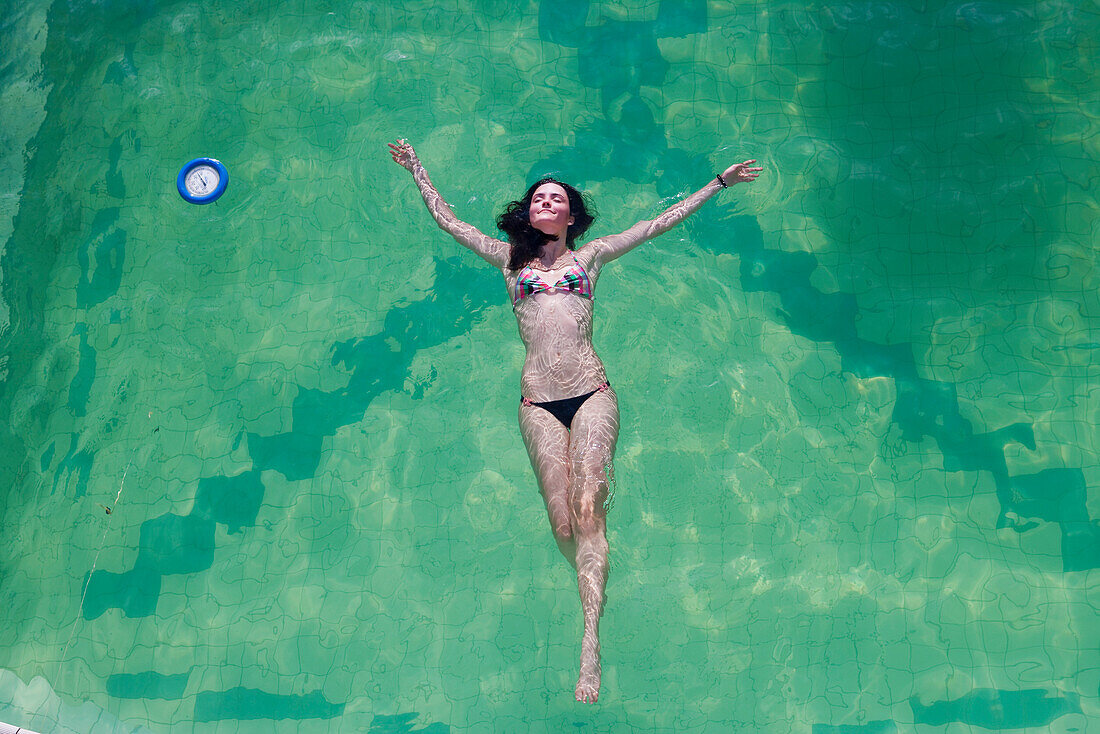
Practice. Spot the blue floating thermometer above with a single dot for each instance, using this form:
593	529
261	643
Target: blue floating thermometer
202	180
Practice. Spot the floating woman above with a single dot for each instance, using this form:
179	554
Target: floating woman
568	412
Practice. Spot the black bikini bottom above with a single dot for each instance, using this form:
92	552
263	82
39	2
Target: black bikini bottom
565	410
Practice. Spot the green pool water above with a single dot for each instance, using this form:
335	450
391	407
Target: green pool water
858	470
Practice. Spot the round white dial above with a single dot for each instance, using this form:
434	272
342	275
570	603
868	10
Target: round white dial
201	180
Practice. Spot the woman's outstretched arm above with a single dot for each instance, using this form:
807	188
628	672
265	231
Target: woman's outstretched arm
494	251
615	245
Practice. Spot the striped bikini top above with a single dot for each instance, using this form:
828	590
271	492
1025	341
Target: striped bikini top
575	280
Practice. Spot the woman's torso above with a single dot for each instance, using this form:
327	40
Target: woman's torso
556	327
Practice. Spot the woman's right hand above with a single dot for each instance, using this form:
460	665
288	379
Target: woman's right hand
404	155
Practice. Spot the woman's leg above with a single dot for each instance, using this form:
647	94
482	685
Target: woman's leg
547	442
591	448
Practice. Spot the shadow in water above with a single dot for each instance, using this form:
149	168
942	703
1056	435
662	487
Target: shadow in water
997	710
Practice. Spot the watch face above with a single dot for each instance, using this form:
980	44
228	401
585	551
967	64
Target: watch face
201	180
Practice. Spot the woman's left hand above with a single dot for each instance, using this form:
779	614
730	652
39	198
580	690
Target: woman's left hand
741	173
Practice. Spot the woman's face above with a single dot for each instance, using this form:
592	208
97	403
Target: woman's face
550	210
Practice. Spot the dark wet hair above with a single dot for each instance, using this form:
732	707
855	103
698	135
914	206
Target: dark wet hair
515	222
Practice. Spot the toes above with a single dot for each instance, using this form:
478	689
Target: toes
587	695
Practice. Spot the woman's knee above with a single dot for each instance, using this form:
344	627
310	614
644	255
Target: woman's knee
557	510
562	527
561	523
586	502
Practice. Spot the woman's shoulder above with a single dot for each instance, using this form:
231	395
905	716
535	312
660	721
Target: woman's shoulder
590	248
589	253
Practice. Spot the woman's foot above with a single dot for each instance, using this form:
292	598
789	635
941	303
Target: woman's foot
588	684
